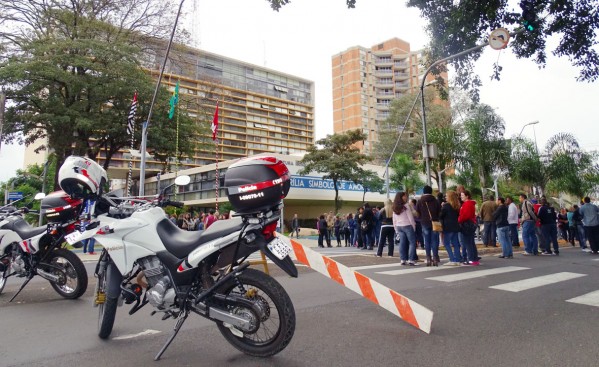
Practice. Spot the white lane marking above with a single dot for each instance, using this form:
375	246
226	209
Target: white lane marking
131	336
589	299
365	267
419	269
476	274
526	284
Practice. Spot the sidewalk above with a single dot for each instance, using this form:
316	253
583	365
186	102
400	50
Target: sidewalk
312	242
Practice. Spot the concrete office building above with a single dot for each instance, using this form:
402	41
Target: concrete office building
366	80
260	109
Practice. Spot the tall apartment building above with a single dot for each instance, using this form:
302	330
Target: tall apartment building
260	110
366	80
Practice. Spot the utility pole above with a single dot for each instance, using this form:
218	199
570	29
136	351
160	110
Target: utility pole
2	106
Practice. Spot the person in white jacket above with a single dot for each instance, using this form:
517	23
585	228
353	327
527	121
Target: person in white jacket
512	219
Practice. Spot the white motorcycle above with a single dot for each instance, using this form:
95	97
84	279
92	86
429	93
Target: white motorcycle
148	259
27	251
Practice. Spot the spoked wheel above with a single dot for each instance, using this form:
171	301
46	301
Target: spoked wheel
72	282
273	315
106	306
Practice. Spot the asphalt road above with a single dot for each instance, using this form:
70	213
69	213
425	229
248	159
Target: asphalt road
508	317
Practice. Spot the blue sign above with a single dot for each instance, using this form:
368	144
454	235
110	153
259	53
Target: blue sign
15	195
319	183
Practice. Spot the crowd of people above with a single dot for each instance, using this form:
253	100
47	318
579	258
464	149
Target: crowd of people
453	219
199	222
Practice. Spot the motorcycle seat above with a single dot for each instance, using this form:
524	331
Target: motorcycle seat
23	229
180	242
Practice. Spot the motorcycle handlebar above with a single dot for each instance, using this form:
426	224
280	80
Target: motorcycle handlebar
176	204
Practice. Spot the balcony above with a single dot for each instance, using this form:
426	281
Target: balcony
383	61
401	76
402	86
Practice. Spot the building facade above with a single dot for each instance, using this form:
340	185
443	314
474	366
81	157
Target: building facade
366	80
260	110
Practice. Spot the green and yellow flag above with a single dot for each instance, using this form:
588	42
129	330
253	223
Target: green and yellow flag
174	101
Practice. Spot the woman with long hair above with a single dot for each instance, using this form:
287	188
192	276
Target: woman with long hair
405	226
467	220
451	228
387	233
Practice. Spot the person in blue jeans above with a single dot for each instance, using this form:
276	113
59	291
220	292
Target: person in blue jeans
88	246
428	209
404	223
449	219
529	218
502	227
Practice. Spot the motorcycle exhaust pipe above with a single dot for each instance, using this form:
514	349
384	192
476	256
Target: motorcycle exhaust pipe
51	277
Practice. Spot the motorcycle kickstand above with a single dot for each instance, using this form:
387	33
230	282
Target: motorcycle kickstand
20	289
180	322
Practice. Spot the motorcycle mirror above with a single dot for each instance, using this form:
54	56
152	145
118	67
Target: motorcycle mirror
39	196
182	180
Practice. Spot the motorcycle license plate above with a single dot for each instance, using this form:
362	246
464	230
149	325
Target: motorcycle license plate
73	238
279	248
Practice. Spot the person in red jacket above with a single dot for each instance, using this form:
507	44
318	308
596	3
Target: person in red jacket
467	221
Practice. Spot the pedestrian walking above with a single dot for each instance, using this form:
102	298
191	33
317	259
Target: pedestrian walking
295	227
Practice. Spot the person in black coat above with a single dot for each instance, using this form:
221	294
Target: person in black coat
323	232
503	228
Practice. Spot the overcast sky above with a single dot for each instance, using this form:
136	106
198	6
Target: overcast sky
302	37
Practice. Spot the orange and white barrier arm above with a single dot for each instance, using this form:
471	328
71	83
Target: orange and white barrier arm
411	312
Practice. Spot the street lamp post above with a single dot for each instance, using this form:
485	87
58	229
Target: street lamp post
525	125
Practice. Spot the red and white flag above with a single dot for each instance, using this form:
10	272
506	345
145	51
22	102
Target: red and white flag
214	126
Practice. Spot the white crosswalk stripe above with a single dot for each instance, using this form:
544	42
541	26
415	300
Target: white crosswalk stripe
526	284
420	269
589	299
476	274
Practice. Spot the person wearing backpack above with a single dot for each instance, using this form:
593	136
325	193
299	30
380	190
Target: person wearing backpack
529	218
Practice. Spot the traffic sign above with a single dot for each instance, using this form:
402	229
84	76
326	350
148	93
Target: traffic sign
499	38
15	195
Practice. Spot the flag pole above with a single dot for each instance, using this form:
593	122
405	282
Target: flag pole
131	130
215	138
144	134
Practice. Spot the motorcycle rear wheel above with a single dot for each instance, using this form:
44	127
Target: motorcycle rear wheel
277	323
73	282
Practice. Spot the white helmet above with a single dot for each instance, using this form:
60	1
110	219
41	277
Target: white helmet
80	177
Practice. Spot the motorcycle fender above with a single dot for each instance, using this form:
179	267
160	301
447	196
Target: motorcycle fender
115	279
286	264
7	238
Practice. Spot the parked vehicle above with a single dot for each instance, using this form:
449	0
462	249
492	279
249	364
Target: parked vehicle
147	259
27	251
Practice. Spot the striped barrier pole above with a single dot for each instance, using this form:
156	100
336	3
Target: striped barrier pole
411	312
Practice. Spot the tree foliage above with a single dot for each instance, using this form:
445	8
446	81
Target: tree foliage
336	157
405	174
71	73
486	151
370	181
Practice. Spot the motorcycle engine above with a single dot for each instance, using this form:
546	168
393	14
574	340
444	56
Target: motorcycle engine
160	292
17	263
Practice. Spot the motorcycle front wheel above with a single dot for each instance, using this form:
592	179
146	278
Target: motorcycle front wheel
72	281
276	323
106	306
